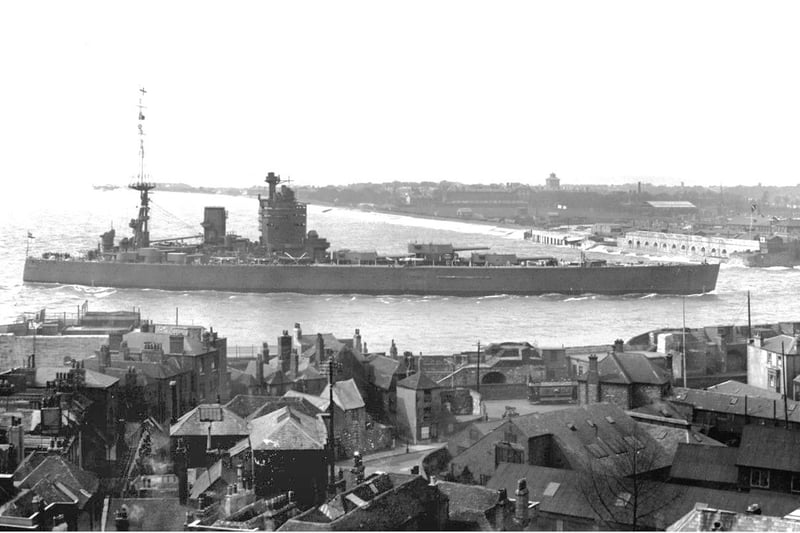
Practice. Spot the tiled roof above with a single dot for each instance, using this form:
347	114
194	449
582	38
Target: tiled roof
702	462
418	381
286	429
298	404
345	395
191	425
774	448
738	388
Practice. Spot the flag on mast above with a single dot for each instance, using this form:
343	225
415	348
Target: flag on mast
30	235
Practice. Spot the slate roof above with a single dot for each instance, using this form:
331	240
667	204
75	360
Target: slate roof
209	476
190	425
468	503
669	438
319	402
149	514
191	345
286	429
703	518
597	433
388	509
775	448
55	476
383	370
241	377
246	404
418	381
738	388
298	404
462	439
568	498
94	380
702	462
775	344
345	395
310	373
629	368
734	404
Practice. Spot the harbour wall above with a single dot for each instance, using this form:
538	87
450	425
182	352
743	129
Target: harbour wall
682	244
50	349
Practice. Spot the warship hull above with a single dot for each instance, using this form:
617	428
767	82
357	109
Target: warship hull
360	279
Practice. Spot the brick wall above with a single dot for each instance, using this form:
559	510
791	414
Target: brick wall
615	394
50	350
646	394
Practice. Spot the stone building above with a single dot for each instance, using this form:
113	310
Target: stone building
419	408
625	379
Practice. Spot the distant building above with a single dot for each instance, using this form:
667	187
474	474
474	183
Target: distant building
774	363
552	183
419	408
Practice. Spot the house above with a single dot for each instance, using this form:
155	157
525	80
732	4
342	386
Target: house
768	459
566	500
145	514
289	454
351	427
207	429
419	408
53	486
774	363
627	379
203	352
69	403
723	416
383	502
575	438
705	518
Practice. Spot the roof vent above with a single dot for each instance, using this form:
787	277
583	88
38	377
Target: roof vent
591	423
609	420
571	426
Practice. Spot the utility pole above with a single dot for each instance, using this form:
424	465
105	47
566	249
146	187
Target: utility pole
749	326
333	365
478	380
684	343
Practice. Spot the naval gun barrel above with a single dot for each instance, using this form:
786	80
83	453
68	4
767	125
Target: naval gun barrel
176	238
469	248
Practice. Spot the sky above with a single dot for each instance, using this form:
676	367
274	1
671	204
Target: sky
704	93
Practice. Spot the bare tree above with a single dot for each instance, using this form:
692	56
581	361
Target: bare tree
621	482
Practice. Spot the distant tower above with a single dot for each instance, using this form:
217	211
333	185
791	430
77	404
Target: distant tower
141	230
553	183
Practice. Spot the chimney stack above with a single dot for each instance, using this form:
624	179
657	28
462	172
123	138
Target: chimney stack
297	336
320	350
668	364
619	346
592	381
285	351
393	350
357	341
521	511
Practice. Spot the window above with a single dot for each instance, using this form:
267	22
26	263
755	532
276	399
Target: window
425	432
769	358
426	414
508	454
426	396
759	478
774	380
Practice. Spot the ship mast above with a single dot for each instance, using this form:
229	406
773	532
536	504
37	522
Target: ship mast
141	230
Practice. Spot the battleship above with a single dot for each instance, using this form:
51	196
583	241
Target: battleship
287	258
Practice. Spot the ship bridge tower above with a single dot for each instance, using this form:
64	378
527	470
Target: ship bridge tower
140	226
